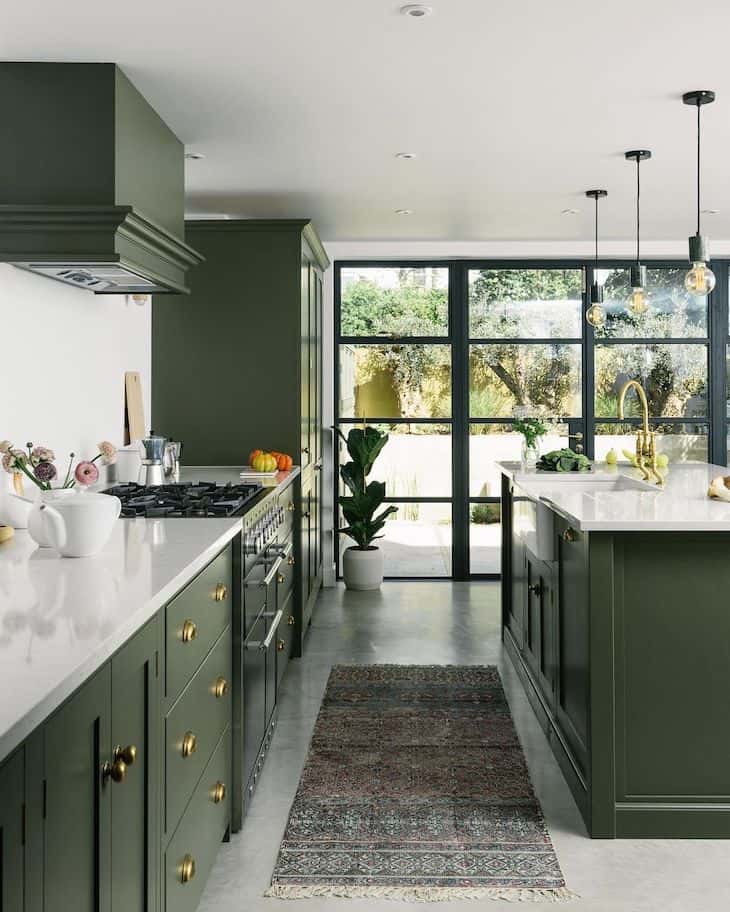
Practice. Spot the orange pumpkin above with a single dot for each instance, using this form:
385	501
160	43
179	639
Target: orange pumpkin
284	462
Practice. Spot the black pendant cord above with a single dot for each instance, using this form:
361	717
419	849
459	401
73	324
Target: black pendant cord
594	278
638	210
699	133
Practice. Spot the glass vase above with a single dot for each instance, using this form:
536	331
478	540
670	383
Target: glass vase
529	456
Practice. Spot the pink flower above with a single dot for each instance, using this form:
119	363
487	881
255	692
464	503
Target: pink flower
86	473
5	446
108	453
42	454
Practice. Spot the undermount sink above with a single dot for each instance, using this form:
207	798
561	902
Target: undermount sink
575	483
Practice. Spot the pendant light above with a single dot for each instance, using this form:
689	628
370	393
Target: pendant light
700	280
596	313
637	303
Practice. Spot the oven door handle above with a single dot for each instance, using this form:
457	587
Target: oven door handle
266	581
283	550
263	645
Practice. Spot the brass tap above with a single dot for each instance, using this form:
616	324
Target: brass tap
645	438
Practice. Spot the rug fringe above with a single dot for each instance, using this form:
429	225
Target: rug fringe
421	894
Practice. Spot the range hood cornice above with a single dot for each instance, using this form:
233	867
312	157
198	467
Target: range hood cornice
93	181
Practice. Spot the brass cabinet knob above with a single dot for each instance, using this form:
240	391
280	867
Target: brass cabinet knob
219	792
187	869
536	589
189	631
189	744
290	620
221	687
280	579
570	535
128	754
221	593
291	561
117	771
290	507
122	757
280	645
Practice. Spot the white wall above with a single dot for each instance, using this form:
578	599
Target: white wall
63	354
426	250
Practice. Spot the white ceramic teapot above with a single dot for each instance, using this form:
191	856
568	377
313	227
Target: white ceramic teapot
15	510
80	526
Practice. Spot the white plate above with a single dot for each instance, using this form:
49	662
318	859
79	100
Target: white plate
249	472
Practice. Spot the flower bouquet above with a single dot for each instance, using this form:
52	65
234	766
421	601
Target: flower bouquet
37	463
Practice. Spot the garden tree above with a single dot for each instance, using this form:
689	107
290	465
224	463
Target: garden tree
511	304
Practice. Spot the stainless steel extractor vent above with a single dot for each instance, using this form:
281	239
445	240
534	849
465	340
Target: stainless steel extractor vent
95	277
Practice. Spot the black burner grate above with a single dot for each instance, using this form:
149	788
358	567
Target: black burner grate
199	498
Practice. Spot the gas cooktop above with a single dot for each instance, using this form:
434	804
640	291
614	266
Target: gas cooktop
194	499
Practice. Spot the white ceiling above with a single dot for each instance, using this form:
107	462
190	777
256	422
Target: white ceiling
514	107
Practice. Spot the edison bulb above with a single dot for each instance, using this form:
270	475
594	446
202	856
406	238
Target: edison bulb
637	303
700	280
596	315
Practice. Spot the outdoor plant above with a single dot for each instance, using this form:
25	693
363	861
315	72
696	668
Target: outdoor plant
360	506
37	463
532	429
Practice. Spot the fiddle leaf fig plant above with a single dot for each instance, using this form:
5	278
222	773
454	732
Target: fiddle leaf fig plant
361	505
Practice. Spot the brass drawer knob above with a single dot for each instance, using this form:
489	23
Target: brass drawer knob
187	869
221	593
128	754
219	792
291	561
290	620
290	507
189	744
221	687
280	645
570	535
122	757
280	579
189	631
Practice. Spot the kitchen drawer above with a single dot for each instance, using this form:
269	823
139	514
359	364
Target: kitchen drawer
286	501
198	837
202	711
194	620
285	637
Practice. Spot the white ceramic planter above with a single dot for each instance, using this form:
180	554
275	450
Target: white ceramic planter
363	569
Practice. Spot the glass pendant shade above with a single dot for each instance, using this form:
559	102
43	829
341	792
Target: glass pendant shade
700	280
596	313
638	301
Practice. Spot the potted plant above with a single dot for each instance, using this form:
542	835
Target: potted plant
362	564
532	429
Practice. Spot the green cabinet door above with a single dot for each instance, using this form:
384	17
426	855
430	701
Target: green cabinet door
540	626
573	658
78	800
12	810
516	596
135	714
305	392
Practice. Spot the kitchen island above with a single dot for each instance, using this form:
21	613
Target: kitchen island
615	616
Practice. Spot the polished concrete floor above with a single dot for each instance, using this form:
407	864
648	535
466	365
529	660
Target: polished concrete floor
449	623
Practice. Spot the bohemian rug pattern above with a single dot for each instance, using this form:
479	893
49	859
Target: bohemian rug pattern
415	787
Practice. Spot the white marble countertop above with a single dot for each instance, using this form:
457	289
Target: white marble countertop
232	475
62	618
682	505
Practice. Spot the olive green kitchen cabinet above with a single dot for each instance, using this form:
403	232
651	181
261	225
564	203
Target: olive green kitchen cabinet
237	364
12	825
101	766
622	643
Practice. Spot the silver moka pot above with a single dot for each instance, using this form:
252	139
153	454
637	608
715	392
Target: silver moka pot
152	471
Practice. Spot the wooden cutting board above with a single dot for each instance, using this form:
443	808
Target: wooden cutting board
134	426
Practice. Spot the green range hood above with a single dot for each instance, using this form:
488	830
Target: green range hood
91	181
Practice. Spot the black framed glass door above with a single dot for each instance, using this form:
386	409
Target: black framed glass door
446	355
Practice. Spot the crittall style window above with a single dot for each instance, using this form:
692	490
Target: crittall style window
446	355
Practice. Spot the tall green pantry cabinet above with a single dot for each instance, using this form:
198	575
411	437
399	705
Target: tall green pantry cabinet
237	364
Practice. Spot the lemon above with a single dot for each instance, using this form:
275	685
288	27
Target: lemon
611	457
662	460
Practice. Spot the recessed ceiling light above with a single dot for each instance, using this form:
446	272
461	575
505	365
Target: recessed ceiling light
194	156
404	211
415	10
710	211
569	211
405	155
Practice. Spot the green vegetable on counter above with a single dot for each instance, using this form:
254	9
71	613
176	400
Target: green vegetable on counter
564	461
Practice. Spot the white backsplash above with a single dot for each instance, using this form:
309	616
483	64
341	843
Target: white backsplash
63	354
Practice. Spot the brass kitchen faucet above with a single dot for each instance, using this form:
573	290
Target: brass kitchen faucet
645	439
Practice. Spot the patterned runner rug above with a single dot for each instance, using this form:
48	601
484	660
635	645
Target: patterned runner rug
416	788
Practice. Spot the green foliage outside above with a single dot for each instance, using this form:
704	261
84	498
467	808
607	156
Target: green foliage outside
507	378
